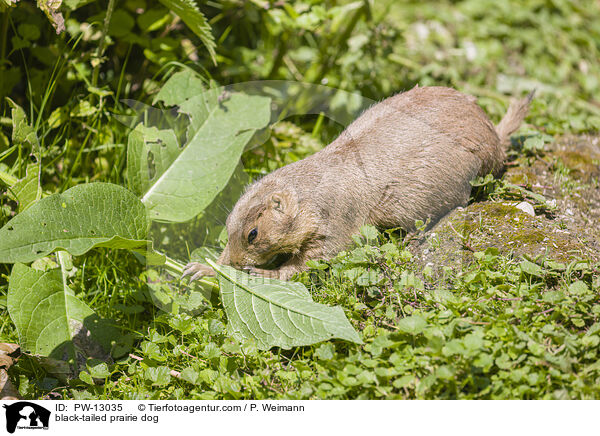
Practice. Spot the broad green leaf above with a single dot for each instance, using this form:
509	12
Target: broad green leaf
159	376
27	190
413	325
553	296
473	341
85	377
98	369
190	14
24	133
50	320
531	268
180	87
189	375
59	116
179	189
534	143
153	19
201	253
74	4
30	32
149	256
276	313
121	23
150	152
370	233
325	352
81	218
83	109
578	288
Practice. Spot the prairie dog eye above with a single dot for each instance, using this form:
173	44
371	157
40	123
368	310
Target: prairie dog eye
252	235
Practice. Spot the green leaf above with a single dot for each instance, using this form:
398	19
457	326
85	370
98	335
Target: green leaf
81	218
527	193
29	31
534	143
211	351
50	320
531	268
190	14
59	116
452	347
152	351
180	87
473	341
98	369
27	190
189	375
370	233
404	381
578	288
153	19
121	23
83	109
413	324
182	186
24	133
325	352
74	4
149	147
553	296
159	376
276	313
535	348
201	253
85	377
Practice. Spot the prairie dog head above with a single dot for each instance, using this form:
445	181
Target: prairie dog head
264	223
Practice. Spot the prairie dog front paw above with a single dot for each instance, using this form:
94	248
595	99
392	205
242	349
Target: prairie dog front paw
197	270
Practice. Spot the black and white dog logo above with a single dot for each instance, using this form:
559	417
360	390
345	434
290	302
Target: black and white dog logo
26	415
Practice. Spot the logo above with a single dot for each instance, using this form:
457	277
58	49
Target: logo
26	415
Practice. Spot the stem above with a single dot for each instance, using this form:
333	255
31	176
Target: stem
281	50
100	51
317	129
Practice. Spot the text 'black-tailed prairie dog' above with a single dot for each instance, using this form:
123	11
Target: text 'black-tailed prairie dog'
408	158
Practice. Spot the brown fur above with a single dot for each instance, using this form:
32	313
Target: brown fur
408	158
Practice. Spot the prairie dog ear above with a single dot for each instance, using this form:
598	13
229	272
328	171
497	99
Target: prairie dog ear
284	202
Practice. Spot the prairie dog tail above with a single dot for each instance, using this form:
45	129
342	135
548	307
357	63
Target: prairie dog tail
514	117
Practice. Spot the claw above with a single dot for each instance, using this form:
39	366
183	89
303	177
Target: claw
186	270
189	269
198	270
197	276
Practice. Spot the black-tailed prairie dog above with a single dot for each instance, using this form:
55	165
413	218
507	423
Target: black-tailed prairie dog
410	157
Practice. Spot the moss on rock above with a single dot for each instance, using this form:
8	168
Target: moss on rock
571	232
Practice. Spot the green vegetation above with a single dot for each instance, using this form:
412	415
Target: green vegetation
500	323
